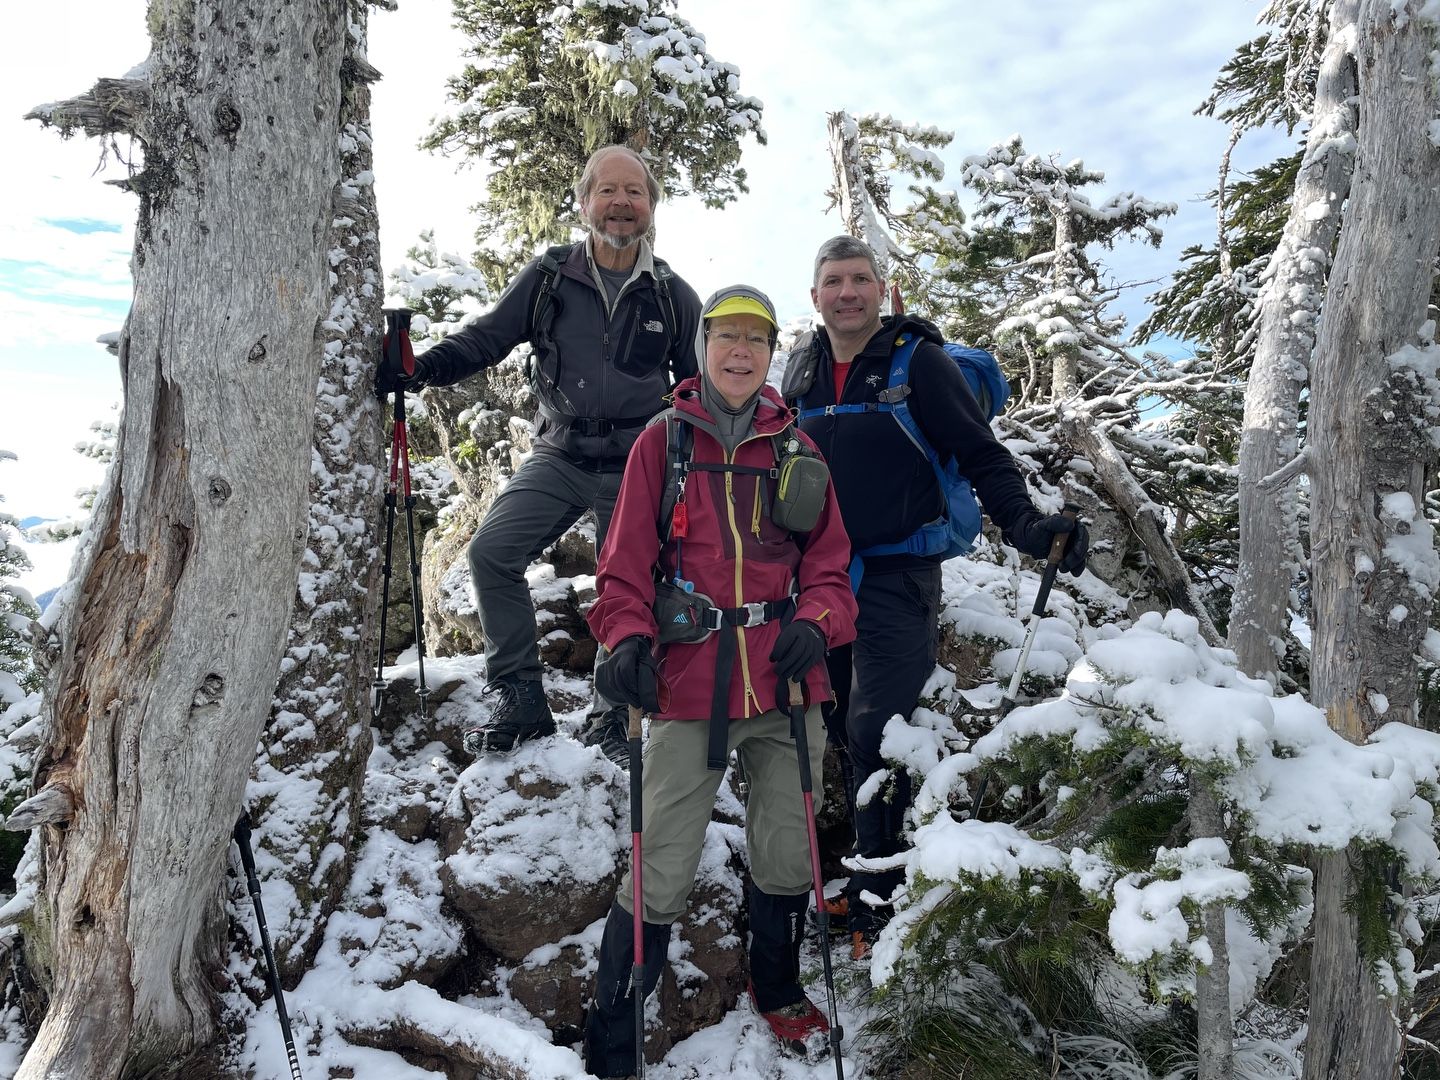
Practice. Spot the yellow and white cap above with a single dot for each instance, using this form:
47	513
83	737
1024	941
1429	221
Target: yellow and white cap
741	300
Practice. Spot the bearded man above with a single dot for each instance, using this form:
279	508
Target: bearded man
611	329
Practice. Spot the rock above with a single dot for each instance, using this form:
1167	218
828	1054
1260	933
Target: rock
709	967
392	927
520	833
400	702
565	639
554	985
452	622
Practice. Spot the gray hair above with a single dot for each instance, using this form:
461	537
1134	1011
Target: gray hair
845	246
587	176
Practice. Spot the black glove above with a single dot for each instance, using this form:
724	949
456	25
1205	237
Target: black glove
391	377
630	674
800	646
1034	534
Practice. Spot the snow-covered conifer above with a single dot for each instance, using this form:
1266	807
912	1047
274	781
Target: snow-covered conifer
17	609
548	84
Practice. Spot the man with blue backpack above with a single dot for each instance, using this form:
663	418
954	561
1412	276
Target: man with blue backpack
907	439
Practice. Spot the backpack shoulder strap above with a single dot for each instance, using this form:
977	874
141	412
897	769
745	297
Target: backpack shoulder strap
549	269
800	370
679	444
663	276
897	392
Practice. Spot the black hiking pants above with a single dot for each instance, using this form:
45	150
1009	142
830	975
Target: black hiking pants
876	677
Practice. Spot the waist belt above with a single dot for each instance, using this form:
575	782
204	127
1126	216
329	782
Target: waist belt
592	426
728	621
747	615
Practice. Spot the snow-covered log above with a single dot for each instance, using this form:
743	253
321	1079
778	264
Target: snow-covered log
1147	518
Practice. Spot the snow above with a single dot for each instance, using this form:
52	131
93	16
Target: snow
1154	679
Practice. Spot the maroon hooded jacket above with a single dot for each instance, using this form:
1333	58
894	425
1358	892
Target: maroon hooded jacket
734	555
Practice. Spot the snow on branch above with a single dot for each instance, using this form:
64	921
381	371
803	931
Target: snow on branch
1144	713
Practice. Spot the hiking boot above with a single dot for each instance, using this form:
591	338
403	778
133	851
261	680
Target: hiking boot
862	944
520	715
800	1028
610	731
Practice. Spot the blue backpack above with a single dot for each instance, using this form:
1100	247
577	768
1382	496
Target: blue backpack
954	531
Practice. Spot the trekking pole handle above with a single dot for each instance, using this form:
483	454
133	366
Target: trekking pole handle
797	692
637	714
1052	567
1062	540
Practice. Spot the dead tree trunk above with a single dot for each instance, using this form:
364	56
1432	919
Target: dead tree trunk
171	642
1285	335
307	780
1373	561
1146	518
850	193
1064	360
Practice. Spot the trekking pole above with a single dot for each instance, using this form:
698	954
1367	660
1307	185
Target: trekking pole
1037	612
822	917
272	972
398	353
637	893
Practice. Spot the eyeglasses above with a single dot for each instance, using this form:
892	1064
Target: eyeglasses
729	339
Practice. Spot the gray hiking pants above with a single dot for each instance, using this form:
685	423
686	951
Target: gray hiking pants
679	795
543	499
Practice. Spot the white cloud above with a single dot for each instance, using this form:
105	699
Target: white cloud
1110	81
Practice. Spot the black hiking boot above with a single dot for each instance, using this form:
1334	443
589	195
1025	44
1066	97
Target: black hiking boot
520	715
610	731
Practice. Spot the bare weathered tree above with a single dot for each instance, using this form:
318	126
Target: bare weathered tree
308	777
171	641
1373	562
1285	331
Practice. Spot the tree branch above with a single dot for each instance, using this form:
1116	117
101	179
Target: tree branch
54	804
1146	518
111	106
1300	463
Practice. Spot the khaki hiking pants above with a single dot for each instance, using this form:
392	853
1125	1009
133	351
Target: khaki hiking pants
679	793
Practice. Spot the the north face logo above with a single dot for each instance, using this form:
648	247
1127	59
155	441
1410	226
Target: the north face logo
655	326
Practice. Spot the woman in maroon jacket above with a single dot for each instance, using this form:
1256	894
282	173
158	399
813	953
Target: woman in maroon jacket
777	600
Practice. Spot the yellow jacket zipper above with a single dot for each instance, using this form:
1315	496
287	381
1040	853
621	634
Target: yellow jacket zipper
750	695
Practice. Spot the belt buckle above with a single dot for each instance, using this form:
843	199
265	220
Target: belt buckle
754	615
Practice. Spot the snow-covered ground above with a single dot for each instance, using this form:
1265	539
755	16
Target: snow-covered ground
1161	661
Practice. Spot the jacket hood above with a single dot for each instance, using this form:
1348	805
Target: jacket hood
719	297
772	415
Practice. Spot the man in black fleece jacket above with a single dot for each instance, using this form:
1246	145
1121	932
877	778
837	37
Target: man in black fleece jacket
608	344
887	490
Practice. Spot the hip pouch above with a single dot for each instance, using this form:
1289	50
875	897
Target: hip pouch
679	615
799	490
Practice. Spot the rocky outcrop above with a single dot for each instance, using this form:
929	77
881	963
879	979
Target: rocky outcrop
533	844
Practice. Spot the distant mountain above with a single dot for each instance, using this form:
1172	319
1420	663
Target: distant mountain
31	522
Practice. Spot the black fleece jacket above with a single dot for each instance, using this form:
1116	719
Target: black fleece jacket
596	360
885	488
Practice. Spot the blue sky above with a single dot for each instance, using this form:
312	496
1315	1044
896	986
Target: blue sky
1111	81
